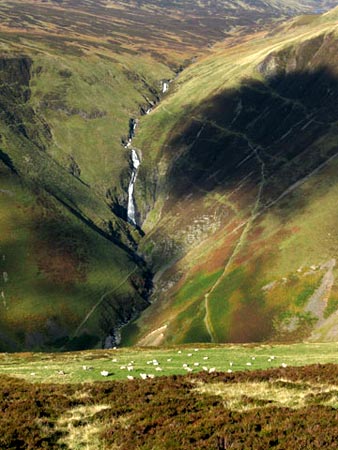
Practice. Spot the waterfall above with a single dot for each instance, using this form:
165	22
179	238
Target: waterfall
165	87
131	204
135	159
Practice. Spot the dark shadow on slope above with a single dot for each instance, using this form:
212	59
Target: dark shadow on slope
7	161
275	127
63	254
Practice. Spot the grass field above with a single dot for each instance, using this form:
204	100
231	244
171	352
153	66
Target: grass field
86	366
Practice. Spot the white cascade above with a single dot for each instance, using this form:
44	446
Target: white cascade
131	204
165	87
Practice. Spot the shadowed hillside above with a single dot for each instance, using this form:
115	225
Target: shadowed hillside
243	231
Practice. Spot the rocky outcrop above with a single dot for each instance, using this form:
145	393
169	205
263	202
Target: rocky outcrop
15	75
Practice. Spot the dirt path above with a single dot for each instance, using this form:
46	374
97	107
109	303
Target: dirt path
318	302
154	338
240	242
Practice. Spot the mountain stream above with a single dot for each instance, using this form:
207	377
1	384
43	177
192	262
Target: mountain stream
136	161
131	203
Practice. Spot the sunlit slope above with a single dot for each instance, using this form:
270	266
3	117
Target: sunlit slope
62	121
243	230
70	274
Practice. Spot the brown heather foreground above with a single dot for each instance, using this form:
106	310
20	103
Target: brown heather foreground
284	408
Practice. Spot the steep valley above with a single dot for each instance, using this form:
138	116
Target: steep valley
234	233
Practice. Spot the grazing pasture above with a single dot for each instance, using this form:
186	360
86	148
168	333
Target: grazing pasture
118	364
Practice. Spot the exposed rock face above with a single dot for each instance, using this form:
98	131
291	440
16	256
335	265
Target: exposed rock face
74	168
15	75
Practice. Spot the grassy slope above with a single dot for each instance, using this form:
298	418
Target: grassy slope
58	247
231	231
59	252
95	143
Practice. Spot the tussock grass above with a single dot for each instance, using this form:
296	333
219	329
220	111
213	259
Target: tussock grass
281	393
80	429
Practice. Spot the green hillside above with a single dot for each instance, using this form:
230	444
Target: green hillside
242	233
70	275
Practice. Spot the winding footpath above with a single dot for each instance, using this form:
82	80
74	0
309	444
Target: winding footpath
240	242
